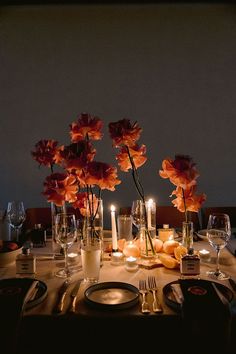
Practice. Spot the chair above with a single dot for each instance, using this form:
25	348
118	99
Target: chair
37	216
41	216
230	210
172	216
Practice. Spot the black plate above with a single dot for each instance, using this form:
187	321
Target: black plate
170	299
112	295
39	296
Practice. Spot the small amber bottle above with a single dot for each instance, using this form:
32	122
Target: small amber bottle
190	265
26	263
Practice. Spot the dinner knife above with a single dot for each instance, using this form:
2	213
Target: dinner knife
61	297
73	295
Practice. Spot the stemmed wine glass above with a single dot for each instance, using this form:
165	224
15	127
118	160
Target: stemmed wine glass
65	234
218	235
138	214
16	216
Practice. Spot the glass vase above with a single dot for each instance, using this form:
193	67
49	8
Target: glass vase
146	243
93	223
187	234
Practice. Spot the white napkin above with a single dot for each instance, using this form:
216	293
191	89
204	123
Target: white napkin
177	292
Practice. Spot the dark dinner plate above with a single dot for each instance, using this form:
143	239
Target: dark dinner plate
112	295
40	295
171	301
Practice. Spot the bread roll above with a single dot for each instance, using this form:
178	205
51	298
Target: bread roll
168	261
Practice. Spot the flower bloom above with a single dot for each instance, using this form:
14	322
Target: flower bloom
83	200
136	152
101	174
60	187
181	171
191	201
45	152
124	133
86	126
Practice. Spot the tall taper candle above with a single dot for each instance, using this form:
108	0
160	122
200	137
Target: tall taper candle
113	229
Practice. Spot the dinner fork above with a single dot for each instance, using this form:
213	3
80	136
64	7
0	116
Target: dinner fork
156	306
143	291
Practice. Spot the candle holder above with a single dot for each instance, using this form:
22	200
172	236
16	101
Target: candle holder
205	255
131	264
117	258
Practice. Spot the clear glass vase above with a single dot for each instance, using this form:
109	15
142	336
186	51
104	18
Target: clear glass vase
93	223
187	234
146	243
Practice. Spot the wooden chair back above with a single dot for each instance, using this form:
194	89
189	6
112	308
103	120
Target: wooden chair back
230	210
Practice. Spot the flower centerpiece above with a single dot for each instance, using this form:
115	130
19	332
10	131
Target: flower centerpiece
130	157
182	172
82	179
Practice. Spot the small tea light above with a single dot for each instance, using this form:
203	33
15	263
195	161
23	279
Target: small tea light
72	257
117	258
204	255
131	264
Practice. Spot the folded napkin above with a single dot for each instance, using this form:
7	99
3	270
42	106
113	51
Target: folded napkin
206	314
14	294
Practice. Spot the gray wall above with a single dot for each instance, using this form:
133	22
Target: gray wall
170	67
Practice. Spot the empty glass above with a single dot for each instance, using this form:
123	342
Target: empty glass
16	216
66	234
218	235
124	223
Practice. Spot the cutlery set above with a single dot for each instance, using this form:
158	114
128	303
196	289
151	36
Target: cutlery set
144	290
62	292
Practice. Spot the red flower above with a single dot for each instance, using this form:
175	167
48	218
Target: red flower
124	133
86	126
137	153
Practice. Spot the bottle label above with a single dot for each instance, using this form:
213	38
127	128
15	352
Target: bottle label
190	265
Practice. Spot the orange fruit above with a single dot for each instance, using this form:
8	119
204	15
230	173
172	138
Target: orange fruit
180	251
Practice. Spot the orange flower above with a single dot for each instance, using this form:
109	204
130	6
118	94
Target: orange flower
45	152
124	133
86	126
136	152
60	187
190	202
82	201
181	171
101	174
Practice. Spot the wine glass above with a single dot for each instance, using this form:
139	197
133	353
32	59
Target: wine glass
218	234
138	214
16	216
65	234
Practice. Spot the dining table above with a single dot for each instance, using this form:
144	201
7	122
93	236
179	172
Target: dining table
100	328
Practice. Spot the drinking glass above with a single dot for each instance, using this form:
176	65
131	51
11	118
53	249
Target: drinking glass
16	216
66	234
218	234
138	214
91	248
